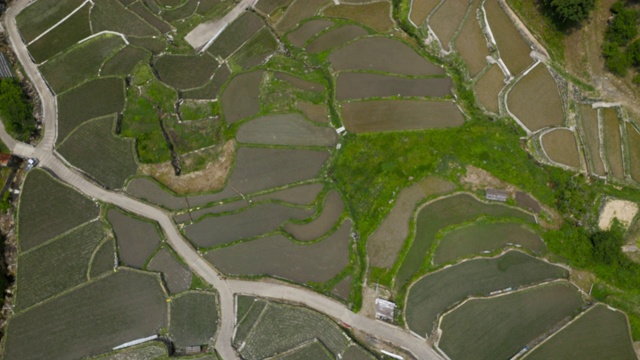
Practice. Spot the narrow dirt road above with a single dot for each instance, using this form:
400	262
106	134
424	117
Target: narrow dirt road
50	160
204	34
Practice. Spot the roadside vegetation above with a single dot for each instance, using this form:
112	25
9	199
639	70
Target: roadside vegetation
16	110
621	48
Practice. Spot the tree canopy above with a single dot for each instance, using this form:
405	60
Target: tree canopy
16	110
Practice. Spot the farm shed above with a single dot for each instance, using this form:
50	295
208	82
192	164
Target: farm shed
385	309
5	159
497	195
5	67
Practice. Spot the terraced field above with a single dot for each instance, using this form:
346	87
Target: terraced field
432	295
560	146
512	320
274	329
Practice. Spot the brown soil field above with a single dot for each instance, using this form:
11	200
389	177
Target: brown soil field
278	256
286	129
301	84
104	259
472	45
633	138
560	146
297	11
514	51
176	275
395	115
210	178
136	239
343	288
420	10
89	320
147	189
382	54
240	98
356	85
261	168
335	37
535	100
525	201
307	30
317	113
612	142
257	220
269	6
376	15
236	34
447	18
296	195
589	127
385	243
331	212
488	87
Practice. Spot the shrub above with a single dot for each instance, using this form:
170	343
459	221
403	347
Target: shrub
616	60
633	53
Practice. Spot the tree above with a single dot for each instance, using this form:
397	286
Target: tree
616	60
16	110
570	11
623	27
633	53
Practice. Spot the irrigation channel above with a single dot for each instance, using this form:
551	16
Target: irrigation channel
227	288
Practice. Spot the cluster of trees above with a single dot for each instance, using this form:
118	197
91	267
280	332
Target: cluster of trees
16	110
569	12
621	49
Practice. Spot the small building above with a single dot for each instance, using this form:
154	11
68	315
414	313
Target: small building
385	310
497	195
5	159
5	67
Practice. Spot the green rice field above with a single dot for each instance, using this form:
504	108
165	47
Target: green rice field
89	320
435	293
48	209
439	214
194	319
500	327
597	334
481	237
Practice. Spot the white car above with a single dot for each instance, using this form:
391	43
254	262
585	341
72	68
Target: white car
31	163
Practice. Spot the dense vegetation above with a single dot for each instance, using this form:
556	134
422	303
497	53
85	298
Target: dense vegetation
16	110
569	11
619	49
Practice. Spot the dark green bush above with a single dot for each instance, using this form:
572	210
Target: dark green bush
616	60
16	110
624	25
570	11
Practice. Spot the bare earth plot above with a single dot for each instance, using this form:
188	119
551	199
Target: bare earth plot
297	11
382	54
335	37
257	220
286	129
447	18
488	88
357	85
420	10
280	257
612	142
514	51
472	45
633	137
332	209
240	97
591	133
308	30
498	328
560	146
176	275
433	294
376	15
535	100
395	115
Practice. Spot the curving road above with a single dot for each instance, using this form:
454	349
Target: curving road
226	288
